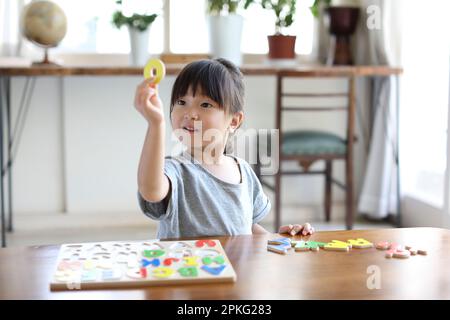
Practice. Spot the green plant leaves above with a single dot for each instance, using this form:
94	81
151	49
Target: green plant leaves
284	11
136	21
315	8
215	7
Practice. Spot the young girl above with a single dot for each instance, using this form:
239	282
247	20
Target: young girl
202	192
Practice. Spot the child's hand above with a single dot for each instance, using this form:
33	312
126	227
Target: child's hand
299	229
148	103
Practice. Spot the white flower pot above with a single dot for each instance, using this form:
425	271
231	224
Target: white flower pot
139	46
225	33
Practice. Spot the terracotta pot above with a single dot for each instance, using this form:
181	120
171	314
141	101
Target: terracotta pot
281	47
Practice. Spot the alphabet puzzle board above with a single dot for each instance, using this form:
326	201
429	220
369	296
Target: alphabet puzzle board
140	263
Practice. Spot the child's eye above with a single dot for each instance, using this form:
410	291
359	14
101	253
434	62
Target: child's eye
206	105
180	102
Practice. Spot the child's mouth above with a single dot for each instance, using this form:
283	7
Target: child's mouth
190	129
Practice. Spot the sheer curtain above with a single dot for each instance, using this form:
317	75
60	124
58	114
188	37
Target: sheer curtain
376	43
10	37
379	43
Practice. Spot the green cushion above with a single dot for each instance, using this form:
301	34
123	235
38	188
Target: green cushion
312	143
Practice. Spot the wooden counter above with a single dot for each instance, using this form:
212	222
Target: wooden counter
173	69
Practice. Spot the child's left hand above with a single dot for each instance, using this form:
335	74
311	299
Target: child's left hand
298	229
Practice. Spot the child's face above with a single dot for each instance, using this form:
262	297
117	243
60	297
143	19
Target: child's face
199	122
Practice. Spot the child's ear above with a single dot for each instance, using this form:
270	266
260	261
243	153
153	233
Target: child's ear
236	121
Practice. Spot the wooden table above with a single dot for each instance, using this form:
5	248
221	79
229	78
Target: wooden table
25	272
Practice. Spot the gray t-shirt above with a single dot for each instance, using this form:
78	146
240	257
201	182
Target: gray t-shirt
201	204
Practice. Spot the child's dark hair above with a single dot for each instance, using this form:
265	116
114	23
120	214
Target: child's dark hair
219	79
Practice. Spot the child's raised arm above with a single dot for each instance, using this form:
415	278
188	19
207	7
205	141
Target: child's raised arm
153	184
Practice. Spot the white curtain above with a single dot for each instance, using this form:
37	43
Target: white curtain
381	46
10	37
378	46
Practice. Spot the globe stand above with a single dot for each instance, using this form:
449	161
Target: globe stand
46	62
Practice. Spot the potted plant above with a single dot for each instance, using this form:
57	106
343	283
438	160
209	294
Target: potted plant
281	46
225	28
342	22
139	28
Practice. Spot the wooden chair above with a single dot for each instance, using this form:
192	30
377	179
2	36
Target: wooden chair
309	146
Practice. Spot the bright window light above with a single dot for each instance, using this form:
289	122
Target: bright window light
90	28
424	96
189	27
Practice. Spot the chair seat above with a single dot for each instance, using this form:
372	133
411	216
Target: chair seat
312	143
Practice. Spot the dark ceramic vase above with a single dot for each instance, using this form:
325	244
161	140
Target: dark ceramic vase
343	22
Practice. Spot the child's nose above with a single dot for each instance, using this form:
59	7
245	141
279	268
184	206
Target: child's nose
191	116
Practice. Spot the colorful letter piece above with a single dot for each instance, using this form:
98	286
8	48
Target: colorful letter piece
65	275
88	265
88	276
155	68
143	272
360	243
188	271
136	273
69	265
285	241
114	274
191	261
215	271
279	245
169	261
383	245
162	272
105	264
422	252
153	253
308	245
336	245
412	250
397	251
280	248
208	260
154	263
202	243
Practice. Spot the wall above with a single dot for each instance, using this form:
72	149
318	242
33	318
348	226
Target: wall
82	139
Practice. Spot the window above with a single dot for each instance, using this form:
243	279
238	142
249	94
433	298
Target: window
424	114
189	27
90	28
259	23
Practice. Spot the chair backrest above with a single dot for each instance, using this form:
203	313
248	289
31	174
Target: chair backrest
281	107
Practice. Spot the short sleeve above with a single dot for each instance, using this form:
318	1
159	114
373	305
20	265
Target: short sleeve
161	209
261	203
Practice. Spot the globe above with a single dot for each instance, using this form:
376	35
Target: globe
44	23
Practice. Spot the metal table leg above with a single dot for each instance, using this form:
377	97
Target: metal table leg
2	198
13	135
397	158
8	148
